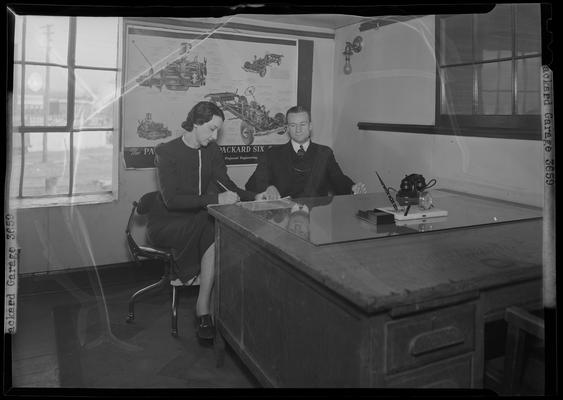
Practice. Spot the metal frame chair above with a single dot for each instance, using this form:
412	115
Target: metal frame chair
144	251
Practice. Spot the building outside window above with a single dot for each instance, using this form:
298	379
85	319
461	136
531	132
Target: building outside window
64	108
489	70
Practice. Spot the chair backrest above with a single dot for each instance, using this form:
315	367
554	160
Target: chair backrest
147	202
141	207
519	324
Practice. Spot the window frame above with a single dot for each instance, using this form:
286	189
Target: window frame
514	126
510	126
19	132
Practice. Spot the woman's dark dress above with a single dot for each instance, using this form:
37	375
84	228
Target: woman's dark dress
179	219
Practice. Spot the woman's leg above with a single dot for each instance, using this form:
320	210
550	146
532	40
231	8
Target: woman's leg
203	304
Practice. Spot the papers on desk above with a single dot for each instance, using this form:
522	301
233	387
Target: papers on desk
421	224
414	213
263	205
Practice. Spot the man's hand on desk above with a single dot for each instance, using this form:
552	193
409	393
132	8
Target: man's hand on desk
271	193
359	188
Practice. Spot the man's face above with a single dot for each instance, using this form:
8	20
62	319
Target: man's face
299	126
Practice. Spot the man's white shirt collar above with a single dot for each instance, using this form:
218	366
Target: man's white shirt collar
296	145
300	207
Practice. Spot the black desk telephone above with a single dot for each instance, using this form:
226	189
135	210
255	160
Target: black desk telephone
411	186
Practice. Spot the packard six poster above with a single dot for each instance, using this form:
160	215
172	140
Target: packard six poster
253	79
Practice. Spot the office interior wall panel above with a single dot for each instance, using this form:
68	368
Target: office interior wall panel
393	81
32	239
108	243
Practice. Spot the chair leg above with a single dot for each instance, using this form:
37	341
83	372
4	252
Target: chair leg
174	311
131	315
513	362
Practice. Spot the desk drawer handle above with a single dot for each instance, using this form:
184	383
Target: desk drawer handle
435	340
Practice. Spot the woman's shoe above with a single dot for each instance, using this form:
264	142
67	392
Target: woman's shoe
205	328
190	282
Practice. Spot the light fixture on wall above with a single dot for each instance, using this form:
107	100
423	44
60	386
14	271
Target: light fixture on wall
351	48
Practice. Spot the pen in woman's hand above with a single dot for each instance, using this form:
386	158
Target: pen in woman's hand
407	210
223	186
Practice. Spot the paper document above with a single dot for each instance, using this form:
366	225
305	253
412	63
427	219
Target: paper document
414	213
260	205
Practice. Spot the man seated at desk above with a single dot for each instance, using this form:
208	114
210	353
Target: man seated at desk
300	168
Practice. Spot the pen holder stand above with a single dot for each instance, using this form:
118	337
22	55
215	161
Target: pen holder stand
407	198
423	199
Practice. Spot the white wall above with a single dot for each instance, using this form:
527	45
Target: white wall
393	81
56	238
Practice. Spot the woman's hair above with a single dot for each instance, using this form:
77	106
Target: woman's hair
201	113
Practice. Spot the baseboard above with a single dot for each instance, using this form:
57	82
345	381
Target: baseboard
81	278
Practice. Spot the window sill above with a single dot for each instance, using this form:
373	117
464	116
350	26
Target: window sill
494	132
63	201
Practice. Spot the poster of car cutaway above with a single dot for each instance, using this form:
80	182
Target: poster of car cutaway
253	79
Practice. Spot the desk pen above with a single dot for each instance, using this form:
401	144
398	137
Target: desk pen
387	192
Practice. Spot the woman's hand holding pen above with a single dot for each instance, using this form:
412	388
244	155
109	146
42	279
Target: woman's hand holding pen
228	197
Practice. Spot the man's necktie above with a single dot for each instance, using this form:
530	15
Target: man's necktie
301	152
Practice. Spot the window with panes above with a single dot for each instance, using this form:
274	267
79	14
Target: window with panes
65	92
489	72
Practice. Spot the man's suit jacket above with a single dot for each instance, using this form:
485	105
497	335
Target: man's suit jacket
275	168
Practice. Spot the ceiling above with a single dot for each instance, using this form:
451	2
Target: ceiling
330	21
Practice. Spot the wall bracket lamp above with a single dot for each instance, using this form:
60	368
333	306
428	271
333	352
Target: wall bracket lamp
349	49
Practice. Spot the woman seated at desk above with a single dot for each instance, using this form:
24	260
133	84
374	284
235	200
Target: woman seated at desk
191	174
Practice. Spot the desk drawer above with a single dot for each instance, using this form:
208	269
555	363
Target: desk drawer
453	373
428	337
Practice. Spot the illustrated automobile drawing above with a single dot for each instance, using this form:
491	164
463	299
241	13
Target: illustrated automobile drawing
259	65
148	129
180	74
255	119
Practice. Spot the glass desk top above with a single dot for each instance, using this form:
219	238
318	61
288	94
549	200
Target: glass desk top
327	220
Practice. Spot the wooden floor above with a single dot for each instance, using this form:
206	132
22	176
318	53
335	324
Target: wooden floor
73	334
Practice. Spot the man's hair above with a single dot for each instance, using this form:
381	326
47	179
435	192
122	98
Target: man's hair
297	109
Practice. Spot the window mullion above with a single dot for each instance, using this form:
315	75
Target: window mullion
22	165
514	70
71	72
70	98
474	58
42	63
22	107
438	43
71	162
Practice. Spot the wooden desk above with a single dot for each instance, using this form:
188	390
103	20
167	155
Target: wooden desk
400	311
